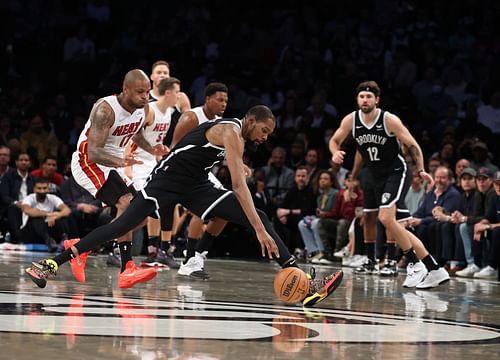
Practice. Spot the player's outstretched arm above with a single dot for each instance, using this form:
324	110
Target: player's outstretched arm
234	147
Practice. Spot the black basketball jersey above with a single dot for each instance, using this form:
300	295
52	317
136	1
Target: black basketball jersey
380	149
193	157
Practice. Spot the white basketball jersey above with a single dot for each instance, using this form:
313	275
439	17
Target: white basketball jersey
124	127
200	114
156	132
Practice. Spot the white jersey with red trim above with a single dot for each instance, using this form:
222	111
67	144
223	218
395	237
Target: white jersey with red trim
92	176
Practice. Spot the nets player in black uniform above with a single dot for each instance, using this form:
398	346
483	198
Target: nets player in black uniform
378	135
182	177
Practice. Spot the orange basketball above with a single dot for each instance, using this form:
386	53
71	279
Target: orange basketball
291	285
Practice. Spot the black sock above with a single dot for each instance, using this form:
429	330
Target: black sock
370	250
206	242
165	245
190	247
153	241
291	262
63	257
410	255
391	251
430	263
125	252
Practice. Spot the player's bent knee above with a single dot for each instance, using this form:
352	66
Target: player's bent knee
386	219
215	226
124	201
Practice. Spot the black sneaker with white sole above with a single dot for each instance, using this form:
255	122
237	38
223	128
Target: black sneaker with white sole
390	268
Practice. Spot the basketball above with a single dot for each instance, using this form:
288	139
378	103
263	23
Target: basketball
291	285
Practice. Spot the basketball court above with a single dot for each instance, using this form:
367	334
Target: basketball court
235	315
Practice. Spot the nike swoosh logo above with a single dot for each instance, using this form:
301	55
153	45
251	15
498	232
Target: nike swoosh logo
359	127
397	169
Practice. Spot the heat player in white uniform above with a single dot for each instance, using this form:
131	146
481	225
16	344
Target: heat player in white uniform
91	175
159	71
99	161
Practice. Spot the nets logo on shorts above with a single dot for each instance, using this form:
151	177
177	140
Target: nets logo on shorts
385	197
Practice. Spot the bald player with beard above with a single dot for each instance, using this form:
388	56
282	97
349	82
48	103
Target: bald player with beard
99	161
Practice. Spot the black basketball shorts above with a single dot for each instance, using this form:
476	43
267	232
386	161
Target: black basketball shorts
386	191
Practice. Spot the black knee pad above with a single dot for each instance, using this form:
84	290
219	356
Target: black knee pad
113	189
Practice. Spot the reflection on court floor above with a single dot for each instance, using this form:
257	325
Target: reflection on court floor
236	315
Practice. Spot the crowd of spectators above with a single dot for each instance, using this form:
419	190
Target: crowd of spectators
436	64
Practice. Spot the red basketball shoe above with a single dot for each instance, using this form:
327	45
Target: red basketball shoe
133	275
78	262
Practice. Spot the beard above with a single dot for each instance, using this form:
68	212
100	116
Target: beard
41	197
368	109
251	146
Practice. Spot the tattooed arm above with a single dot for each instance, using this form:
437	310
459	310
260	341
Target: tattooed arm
141	141
102	118
156	150
395	126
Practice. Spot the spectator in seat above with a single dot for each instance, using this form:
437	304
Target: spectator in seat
334	224
436	209
44	218
452	242
473	250
37	142
298	202
279	178
490	225
48	170
4	160
15	186
308	225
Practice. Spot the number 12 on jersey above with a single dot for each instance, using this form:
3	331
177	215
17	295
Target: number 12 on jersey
373	153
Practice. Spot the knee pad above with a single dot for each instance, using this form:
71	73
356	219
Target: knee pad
113	188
